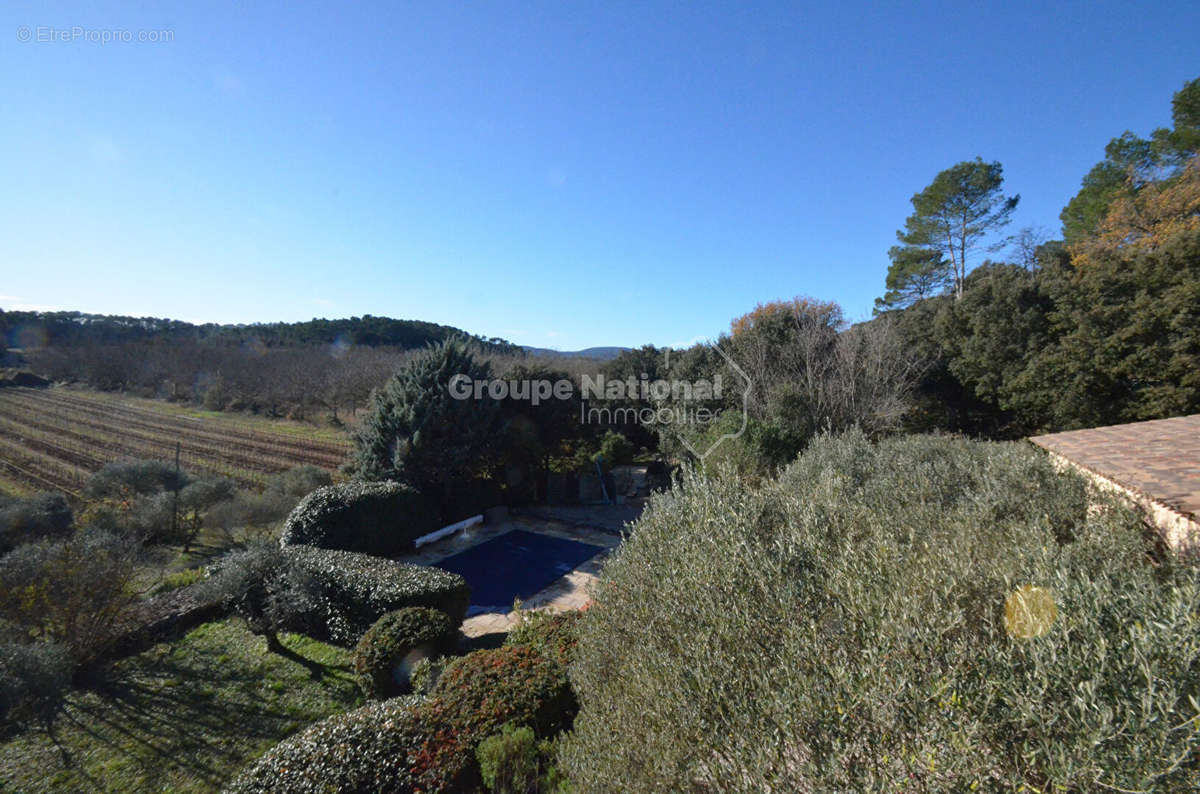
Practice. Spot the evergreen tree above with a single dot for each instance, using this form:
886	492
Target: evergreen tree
951	217
417	433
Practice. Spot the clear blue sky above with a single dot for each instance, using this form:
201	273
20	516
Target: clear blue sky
562	174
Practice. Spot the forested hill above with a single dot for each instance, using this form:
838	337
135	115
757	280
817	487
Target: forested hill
54	329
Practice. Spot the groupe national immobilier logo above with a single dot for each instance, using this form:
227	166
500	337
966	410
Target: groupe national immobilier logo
675	404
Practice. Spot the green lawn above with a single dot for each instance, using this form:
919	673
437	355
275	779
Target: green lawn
182	717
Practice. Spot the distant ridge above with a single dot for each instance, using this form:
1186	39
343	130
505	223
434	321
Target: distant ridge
599	353
66	328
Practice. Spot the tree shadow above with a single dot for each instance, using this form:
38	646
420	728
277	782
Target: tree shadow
201	711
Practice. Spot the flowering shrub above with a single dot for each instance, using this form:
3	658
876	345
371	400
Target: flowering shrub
476	695
552	635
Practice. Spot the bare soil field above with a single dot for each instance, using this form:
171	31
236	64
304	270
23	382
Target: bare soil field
53	439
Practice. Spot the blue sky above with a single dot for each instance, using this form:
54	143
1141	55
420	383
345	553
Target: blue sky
559	174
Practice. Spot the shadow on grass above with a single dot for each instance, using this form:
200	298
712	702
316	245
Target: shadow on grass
197	710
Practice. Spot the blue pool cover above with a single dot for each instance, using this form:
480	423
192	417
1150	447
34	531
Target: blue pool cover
516	564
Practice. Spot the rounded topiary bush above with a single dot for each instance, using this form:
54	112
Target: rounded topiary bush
479	693
380	518
388	651
355	590
413	743
554	635
365	751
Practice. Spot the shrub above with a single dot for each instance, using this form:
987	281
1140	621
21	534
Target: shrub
508	761
258	514
195	503
420	744
34	678
842	628
479	693
381	518
140	477
26	520
615	450
358	589
75	592
268	587
425	674
385	655
365	751
553	635
298	481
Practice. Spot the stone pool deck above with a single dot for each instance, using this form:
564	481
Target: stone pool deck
1156	464
599	526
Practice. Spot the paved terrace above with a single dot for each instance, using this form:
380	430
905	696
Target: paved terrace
1156	463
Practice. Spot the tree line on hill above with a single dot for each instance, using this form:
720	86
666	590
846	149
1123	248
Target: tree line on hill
294	369
41	329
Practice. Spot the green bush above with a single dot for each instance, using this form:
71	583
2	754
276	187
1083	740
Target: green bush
843	628
76	592
358	589
615	450
385	655
425	674
298	481
508	761
514	761
552	635
381	518
420	744
137	477
479	693
27	520
34	679
365	751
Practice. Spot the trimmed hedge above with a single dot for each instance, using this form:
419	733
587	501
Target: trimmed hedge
358	589
474	697
392	638
365	751
420	744
381	518
552	635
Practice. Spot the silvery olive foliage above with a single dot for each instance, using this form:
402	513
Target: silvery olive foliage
841	628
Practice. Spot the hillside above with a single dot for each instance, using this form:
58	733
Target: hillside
42	329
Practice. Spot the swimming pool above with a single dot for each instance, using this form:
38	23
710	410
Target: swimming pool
516	564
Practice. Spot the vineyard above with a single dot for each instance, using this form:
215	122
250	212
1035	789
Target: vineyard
53	439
